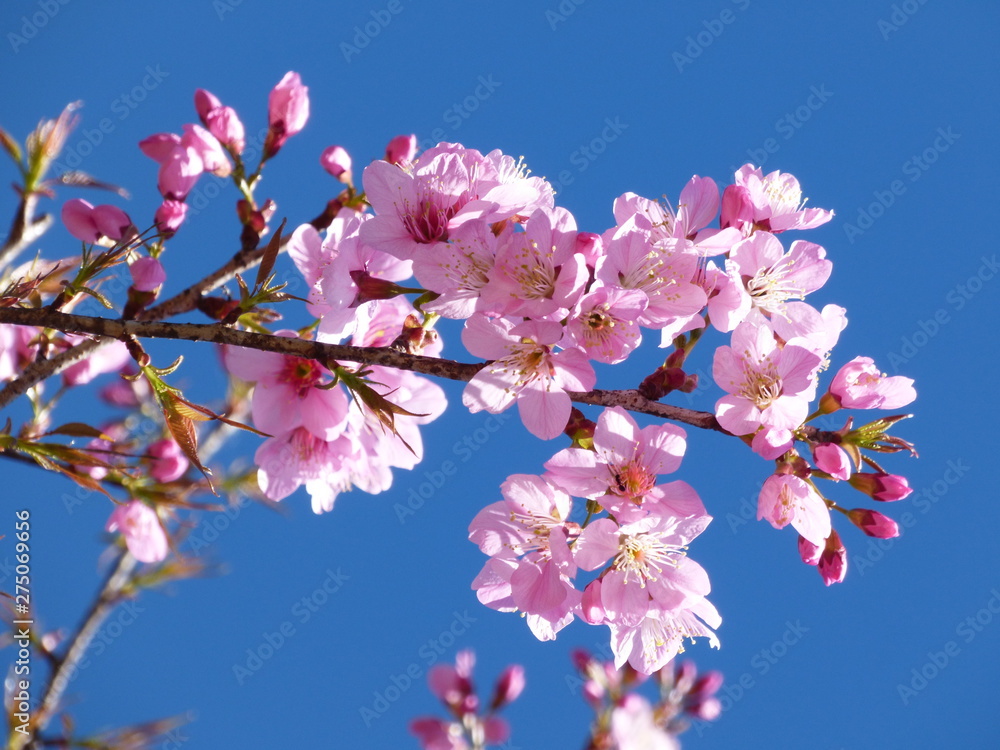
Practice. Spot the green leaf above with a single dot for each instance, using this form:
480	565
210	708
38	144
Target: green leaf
269	256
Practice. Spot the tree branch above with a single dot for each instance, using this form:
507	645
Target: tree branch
182	302
63	667
631	400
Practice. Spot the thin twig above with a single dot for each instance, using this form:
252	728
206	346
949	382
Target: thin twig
65	666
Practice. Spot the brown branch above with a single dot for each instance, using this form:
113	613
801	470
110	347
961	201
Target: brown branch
108	598
24	230
631	400
182	302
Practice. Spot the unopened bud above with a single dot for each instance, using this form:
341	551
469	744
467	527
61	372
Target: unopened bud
832	564
882	487
874	523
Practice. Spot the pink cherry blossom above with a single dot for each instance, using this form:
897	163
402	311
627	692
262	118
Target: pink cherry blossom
777	203
299	457
147	274
860	385
605	323
169	462
16	350
226	125
160	146
337	162
289	392
90	223
213	156
833	460
664	272
538	273
458	270
767	386
144	535
649	643
179	172
447	186
634	727
169	217
766	277
785	499
525	369
109	358
288	106
624	466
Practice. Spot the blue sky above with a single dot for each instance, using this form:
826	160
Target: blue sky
886	112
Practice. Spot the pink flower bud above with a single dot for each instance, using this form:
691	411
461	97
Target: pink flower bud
87	223
204	103
860	385
213	156
179	173
112	222
337	162
708	684
495	730
882	487
448	685
169	217
147	274
107	359
591	609
287	111
509	686
226	125
169	462
709	709
684	675
144	535
590	246
401	149
809	552
160	146
833	460
77	216
737	208
873	523
832	564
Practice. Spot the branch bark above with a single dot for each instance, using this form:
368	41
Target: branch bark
63	667
182	302
630	399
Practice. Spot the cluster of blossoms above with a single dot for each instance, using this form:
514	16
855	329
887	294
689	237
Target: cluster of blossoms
541	301
467	729
648	592
626	720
